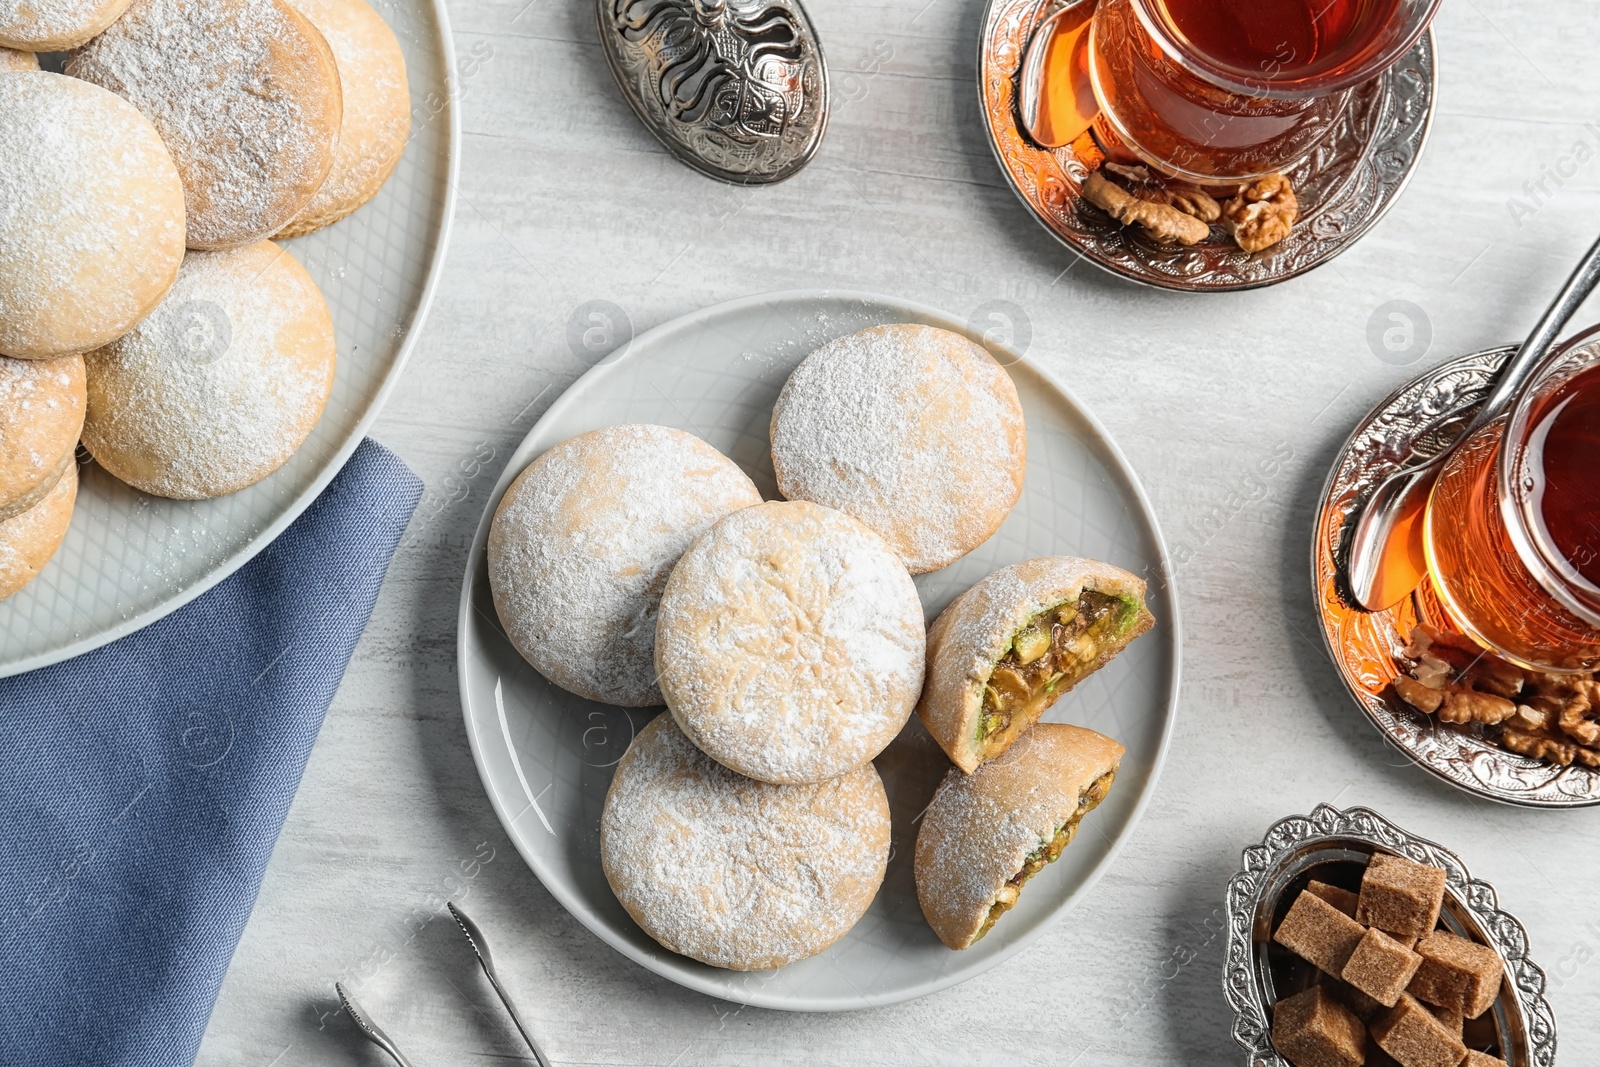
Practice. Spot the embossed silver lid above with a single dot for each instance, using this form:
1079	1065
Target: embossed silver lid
737	89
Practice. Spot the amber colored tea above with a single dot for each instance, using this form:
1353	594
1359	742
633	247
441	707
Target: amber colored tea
1484	583
1562	462
1218	91
1277	36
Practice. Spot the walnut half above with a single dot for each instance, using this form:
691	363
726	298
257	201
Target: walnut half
1163	223
1261	213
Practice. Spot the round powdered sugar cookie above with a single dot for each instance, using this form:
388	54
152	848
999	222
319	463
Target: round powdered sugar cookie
29	539
790	645
91	216
583	541
219	386
12	60
737	873
245	94
54	25
41	415
914	430
377	109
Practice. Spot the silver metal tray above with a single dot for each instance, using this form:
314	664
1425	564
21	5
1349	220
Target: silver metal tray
1522	1018
1345	186
1415	421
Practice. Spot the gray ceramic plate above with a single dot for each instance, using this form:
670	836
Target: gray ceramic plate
128	559
546	756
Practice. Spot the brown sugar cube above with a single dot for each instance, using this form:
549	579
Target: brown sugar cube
1365	1007
1410	1034
1400	897
1342	899
1319	932
1381	967
1457	973
1313	1030
1482	1059
1453	1020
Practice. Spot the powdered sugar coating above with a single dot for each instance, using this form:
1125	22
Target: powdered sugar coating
28	540
377	109
41	414
733	872
91	216
980	828
914	430
12	60
977	628
219	386
582	543
54	25
790	644
246	95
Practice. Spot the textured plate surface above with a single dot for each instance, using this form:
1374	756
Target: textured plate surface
546	756
1522	1015
1344	187
128	558
1414	422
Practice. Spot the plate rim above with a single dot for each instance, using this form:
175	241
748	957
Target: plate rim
666	964
1173	285
341	455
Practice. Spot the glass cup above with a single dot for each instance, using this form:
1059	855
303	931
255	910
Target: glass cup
1513	551
1216	97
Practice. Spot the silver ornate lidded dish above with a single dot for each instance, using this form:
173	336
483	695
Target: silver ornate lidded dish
1344	186
737	89
1327	840
1416	421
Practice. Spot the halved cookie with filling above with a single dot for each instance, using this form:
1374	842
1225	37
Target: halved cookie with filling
987	833
1007	648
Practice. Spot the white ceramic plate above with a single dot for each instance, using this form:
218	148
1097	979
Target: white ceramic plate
128	558
546	756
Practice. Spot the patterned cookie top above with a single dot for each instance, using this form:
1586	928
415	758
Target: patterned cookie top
582	544
790	644
733	872
914	430
221	384
246	95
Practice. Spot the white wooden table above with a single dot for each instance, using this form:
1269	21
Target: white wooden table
565	198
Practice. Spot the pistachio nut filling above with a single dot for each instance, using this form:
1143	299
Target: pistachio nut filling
1048	852
1048	656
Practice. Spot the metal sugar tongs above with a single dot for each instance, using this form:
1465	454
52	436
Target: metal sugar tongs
480	948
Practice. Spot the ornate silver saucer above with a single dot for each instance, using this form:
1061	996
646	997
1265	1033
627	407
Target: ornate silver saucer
1344	187
1330	840
737	89
1413	422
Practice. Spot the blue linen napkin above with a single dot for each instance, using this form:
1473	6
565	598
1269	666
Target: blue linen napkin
142	785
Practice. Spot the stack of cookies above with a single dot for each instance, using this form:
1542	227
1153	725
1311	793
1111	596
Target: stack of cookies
748	828
1388	972
143	307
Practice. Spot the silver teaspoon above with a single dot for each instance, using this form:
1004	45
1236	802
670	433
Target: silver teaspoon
1046	129
1386	560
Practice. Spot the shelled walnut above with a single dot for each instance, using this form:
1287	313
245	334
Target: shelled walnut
1161	222
1259	215
1553	717
1262	212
